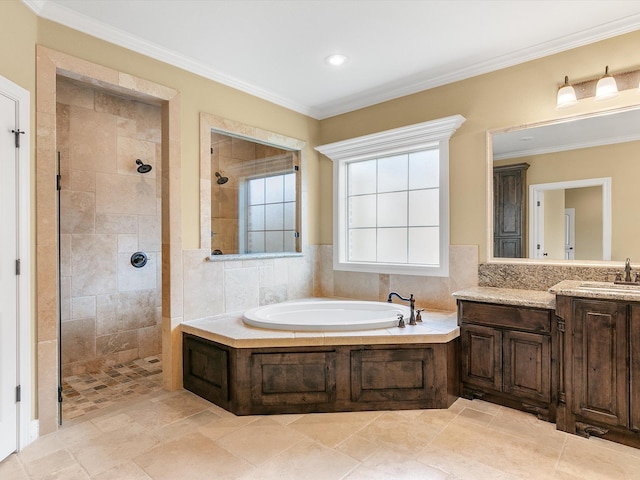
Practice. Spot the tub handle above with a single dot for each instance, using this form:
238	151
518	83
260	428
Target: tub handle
418	315
401	323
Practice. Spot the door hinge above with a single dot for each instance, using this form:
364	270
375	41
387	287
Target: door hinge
18	267
58	182
538	203
537	246
17	134
59	394
18	393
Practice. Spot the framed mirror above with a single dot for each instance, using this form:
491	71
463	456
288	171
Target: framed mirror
565	190
250	191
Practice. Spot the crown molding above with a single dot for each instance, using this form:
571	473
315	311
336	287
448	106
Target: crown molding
407	86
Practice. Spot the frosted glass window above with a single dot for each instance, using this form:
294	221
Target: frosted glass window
274	241
406	170
424	245
290	187
255	219
362	211
393	173
392	209
362	177
392	245
274	189
424	207
255	242
290	216
274	216
256	191
270	217
362	245
424	169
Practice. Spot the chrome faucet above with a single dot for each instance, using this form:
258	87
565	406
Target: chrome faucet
412	305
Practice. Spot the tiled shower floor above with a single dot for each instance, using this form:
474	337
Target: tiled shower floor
91	391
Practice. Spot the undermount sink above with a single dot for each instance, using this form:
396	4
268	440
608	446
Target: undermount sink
611	286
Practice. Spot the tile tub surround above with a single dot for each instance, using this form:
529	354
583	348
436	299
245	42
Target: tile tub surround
111	312
178	435
508	296
230	330
540	277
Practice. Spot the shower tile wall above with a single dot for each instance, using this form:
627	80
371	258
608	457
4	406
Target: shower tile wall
110	311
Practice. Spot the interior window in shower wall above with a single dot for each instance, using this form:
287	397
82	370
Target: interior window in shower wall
110	208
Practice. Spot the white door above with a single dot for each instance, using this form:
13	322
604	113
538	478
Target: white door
8	278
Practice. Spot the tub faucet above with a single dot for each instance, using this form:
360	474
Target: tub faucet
627	270
412	305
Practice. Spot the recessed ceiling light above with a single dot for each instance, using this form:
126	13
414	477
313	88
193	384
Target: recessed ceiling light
336	59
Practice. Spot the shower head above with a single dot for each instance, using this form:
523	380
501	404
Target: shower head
143	167
221	180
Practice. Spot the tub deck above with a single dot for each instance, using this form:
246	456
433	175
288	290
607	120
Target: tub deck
250	371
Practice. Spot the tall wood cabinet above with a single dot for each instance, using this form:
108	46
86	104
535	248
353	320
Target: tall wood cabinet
509	195
600	385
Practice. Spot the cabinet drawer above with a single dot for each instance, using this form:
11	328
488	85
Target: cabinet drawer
521	318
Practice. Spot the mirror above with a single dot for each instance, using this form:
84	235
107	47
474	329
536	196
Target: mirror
250	191
565	190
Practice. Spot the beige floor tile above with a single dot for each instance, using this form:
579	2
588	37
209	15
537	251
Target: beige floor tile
472	415
387	466
502	452
391	430
330	429
73	472
583	458
114	448
261	440
358	447
225	425
528	427
67	436
126	471
50	464
309	461
11	468
194	457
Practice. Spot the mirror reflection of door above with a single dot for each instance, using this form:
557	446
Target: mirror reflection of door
569	233
570	220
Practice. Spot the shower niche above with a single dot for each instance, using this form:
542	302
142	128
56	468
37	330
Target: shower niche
255	190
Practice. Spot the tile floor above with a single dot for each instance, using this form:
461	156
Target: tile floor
177	435
91	391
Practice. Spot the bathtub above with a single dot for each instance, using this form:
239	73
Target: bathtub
326	315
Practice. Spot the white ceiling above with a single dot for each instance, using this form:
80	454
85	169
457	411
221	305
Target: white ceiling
275	49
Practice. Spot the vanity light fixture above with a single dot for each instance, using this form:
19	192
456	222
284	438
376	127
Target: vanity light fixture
566	95
336	60
606	87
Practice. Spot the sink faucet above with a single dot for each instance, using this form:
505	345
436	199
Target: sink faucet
412	305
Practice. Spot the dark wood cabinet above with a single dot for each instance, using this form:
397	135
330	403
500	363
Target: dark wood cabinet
601	364
255	381
506	355
509	203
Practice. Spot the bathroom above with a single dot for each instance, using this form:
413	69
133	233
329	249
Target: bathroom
198	288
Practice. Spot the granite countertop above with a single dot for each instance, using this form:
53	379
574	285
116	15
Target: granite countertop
229	329
597	290
508	296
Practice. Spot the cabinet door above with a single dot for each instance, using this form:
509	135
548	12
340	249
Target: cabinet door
481	356
634	345
527	365
600	387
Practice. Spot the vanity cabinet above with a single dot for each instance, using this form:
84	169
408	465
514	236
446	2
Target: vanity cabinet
506	355
509	194
600	387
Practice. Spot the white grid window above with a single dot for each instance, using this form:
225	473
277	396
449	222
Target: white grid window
271	213
391	200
